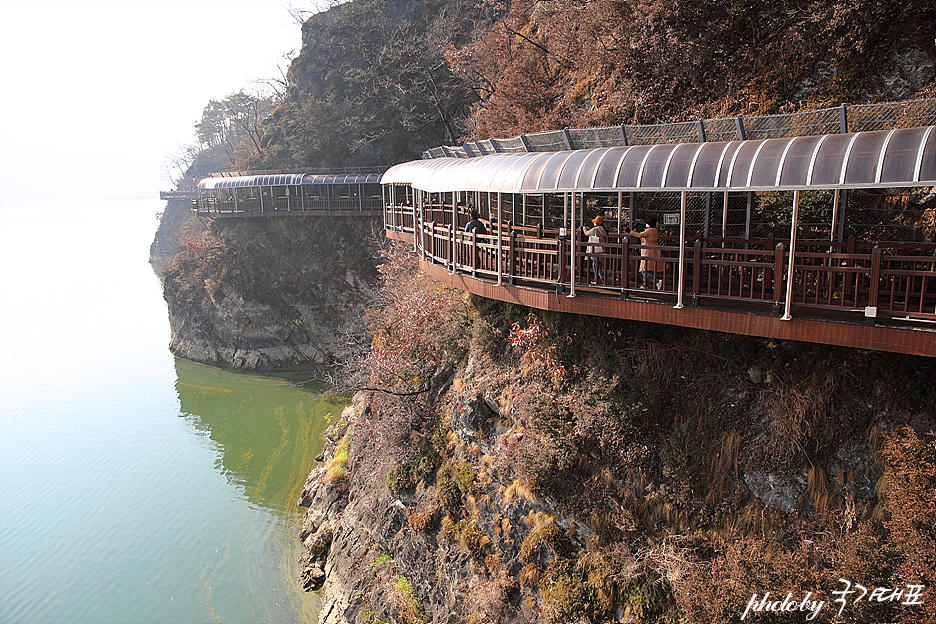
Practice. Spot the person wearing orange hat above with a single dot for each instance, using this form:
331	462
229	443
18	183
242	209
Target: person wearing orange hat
595	235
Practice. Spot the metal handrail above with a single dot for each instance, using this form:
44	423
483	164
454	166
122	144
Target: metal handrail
853	276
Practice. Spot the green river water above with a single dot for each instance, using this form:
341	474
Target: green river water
136	487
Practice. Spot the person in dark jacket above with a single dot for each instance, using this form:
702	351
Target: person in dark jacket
475	225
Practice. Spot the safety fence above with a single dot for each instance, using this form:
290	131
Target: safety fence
840	119
874	282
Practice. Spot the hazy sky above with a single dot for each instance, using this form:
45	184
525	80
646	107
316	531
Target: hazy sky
97	94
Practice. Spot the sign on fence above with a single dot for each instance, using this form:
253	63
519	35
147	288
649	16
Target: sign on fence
671	218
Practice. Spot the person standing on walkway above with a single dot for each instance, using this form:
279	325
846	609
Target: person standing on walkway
596	235
648	268
475	225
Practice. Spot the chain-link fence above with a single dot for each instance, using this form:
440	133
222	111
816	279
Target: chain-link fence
841	119
883	215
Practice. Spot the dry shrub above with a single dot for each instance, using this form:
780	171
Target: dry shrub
487	601
724	466
544	460
337	468
400	479
474	541
672	558
545	539
595	568
530	574
911	505
866	555
519	490
796	409
719	589
817	490
408	605
450	495
425	518
540	351
567	596
415	325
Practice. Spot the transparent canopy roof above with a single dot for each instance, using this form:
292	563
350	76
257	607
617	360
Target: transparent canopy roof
887	158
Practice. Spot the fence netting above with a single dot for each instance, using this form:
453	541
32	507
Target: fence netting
841	119
883	215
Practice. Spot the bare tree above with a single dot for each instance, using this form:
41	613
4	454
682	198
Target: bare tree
179	161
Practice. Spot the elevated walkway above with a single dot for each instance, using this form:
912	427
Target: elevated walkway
349	194
800	280
738	296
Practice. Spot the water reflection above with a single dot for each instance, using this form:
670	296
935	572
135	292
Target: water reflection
268	431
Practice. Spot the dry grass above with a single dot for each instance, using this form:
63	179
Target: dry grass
795	410
520	490
425	518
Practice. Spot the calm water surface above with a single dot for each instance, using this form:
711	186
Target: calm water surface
134	487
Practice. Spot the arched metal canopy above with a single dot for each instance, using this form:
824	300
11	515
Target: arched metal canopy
888	158
288	179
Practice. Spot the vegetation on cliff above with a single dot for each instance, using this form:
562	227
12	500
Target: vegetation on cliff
379	81
371	85
567	63
531	467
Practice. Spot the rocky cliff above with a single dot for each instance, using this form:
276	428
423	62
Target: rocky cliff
168	239
267	293
551	468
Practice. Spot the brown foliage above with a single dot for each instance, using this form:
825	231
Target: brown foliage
602	62
416	323
911	503
796	409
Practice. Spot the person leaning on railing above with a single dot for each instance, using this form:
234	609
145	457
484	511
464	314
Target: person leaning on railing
475	225
596	235
649	268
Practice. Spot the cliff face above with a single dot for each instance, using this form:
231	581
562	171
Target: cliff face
259	294
551	468
167	241
371	86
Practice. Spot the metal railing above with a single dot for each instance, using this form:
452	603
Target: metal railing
216	206
876	281
841	119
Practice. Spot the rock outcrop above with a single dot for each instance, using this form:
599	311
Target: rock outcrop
268	293
502	497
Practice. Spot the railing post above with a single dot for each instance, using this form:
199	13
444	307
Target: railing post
474	253
850	250
696	273
788	302
872	308
768	272
777	277
512	241
431	247
451	246
625	265
573	248
562	266
681	283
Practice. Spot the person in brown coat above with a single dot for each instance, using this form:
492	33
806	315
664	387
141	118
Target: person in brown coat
650	268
